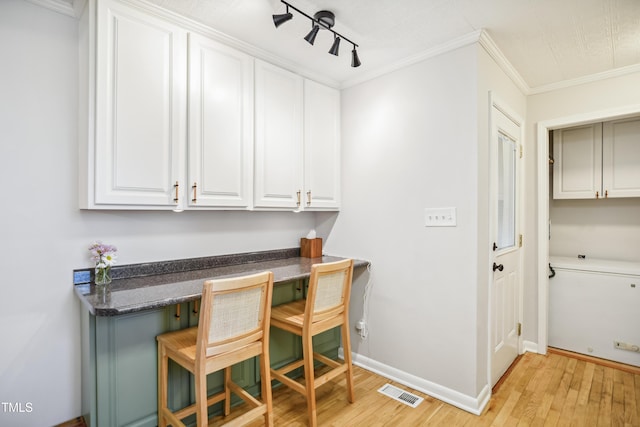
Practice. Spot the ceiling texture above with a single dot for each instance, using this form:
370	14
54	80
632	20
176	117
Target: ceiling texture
547	42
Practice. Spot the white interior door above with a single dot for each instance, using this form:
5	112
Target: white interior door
505	295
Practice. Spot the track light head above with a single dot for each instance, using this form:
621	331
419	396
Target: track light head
335	46
281	19
355	61
311	37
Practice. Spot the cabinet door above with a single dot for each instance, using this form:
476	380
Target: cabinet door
278	139
621	158
577	154
140	78
321	146
220	125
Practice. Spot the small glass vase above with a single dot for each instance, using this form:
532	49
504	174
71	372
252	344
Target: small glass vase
103	275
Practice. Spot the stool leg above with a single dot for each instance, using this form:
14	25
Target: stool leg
309	375
265	383
227	391
202	418
346	346
163	366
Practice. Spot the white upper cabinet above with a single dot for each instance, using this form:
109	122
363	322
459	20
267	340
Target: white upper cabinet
220	125
599	160
278	180
321	147
173	119
136	80
577	155
621	158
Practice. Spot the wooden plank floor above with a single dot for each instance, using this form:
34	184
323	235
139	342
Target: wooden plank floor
551	390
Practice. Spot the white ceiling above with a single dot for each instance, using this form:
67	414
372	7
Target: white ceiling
546	41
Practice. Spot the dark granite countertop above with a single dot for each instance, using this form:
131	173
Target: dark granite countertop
154	285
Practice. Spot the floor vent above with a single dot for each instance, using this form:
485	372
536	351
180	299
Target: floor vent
400	395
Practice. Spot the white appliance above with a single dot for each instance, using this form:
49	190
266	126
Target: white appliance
594	308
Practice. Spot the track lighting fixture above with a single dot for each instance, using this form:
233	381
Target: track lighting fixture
321	20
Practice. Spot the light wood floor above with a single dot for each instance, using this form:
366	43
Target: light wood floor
551	390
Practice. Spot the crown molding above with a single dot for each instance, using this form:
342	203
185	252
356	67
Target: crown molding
591	78
72	8
494	52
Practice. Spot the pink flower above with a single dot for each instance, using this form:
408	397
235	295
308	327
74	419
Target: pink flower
102	254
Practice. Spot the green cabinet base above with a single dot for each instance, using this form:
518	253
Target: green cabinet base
119	362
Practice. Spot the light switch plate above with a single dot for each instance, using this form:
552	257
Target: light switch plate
440	217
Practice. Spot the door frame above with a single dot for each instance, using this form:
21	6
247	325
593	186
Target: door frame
496	102
542	137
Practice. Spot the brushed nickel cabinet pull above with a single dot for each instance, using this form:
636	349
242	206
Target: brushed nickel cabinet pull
177	187
298	198
195	187
309	198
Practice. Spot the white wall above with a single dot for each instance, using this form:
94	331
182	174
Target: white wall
609	229
44	236
413	139
605	229
409	142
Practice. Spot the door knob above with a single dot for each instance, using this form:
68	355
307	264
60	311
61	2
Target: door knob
499	267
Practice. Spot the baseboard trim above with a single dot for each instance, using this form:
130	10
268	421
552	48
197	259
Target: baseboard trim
474	405
530	347
598	361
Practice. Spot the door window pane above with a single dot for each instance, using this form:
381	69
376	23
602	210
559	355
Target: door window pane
506	191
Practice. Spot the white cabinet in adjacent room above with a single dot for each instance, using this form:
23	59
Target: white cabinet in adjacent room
220	125
321	146
131	143
621	158
577	155
599	160
278	179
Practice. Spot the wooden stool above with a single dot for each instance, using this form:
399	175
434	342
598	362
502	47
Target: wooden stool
326	307
233	326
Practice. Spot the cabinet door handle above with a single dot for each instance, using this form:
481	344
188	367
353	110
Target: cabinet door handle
597	195
309	198
298	198
606	193
195	187
498	267
177	187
